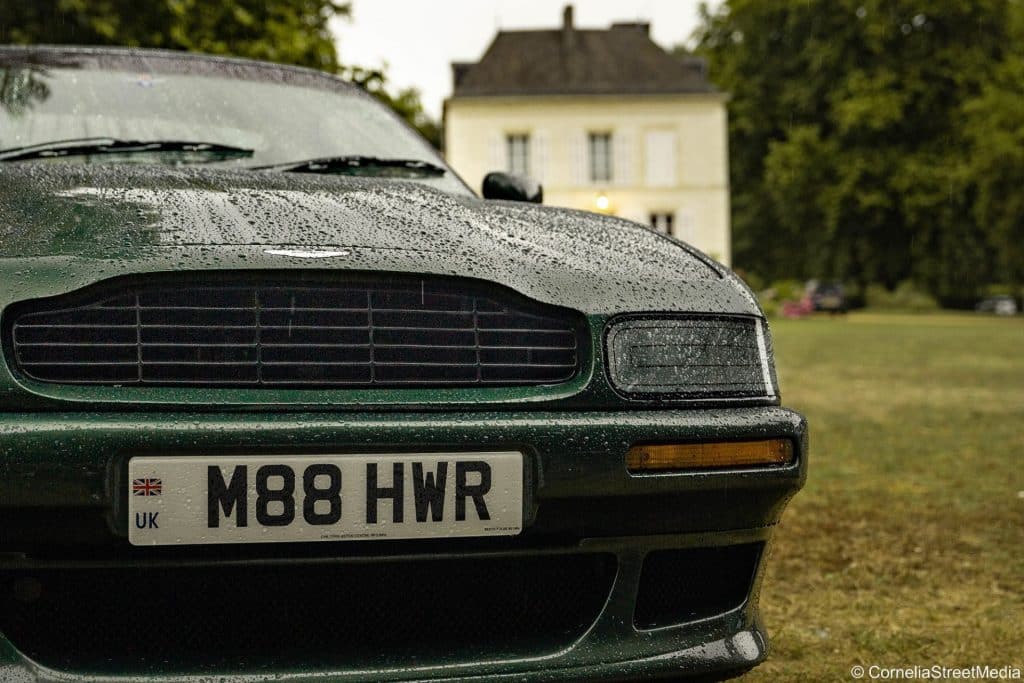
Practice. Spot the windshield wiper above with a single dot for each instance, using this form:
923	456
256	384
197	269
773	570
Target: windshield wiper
359	165
89	146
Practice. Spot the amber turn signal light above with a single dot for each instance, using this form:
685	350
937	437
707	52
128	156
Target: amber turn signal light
689	456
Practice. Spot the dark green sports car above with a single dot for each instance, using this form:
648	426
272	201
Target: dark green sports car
282	399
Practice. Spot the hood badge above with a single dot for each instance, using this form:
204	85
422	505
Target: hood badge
306	253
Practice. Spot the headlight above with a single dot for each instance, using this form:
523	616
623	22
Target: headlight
690	357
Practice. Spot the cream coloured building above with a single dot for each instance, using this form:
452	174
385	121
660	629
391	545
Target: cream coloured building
606	120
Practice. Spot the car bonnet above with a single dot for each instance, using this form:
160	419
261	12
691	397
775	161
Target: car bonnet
65	226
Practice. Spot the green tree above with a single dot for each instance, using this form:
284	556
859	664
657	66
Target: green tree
847	142
994	128
284	31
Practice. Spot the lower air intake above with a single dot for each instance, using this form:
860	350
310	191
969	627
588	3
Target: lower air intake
679	586
265	618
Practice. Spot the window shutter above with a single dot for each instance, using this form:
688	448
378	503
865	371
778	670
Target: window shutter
580	169
622	158
539	155
498	160
660	158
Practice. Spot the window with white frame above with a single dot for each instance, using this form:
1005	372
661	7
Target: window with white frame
600	157
662	221
518	153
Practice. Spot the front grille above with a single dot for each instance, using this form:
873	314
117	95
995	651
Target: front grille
320	615
379	331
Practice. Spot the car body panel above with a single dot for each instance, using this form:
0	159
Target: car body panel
570	455
83	223
579	498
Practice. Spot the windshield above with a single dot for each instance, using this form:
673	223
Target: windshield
249	108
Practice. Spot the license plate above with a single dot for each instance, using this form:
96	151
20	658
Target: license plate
260	499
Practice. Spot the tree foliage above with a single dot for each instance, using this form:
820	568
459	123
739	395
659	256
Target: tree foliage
284	31
994	128
869	139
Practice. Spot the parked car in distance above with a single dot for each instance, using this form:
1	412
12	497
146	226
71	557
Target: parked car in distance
282	398
1000	305
828	296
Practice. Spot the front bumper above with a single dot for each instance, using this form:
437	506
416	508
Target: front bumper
62	512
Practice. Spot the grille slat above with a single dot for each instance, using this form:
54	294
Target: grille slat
380	332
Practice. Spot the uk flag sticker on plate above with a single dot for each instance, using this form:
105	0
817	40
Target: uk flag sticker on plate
147	487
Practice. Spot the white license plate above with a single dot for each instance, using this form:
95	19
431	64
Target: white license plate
261	499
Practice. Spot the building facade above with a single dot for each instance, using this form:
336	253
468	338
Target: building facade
606	119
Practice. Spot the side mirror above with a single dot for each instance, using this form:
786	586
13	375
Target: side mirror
498	185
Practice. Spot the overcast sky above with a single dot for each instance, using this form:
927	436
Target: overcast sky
418	39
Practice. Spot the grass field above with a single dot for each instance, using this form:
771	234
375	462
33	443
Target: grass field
907	545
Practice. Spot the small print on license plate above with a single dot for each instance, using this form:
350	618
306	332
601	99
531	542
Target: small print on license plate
262	499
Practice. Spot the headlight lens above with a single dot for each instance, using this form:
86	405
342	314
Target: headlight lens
691	357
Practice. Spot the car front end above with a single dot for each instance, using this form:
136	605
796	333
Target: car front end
269	426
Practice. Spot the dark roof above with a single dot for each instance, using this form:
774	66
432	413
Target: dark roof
570	61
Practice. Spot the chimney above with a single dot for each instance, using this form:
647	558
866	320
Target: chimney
459	71
568	37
